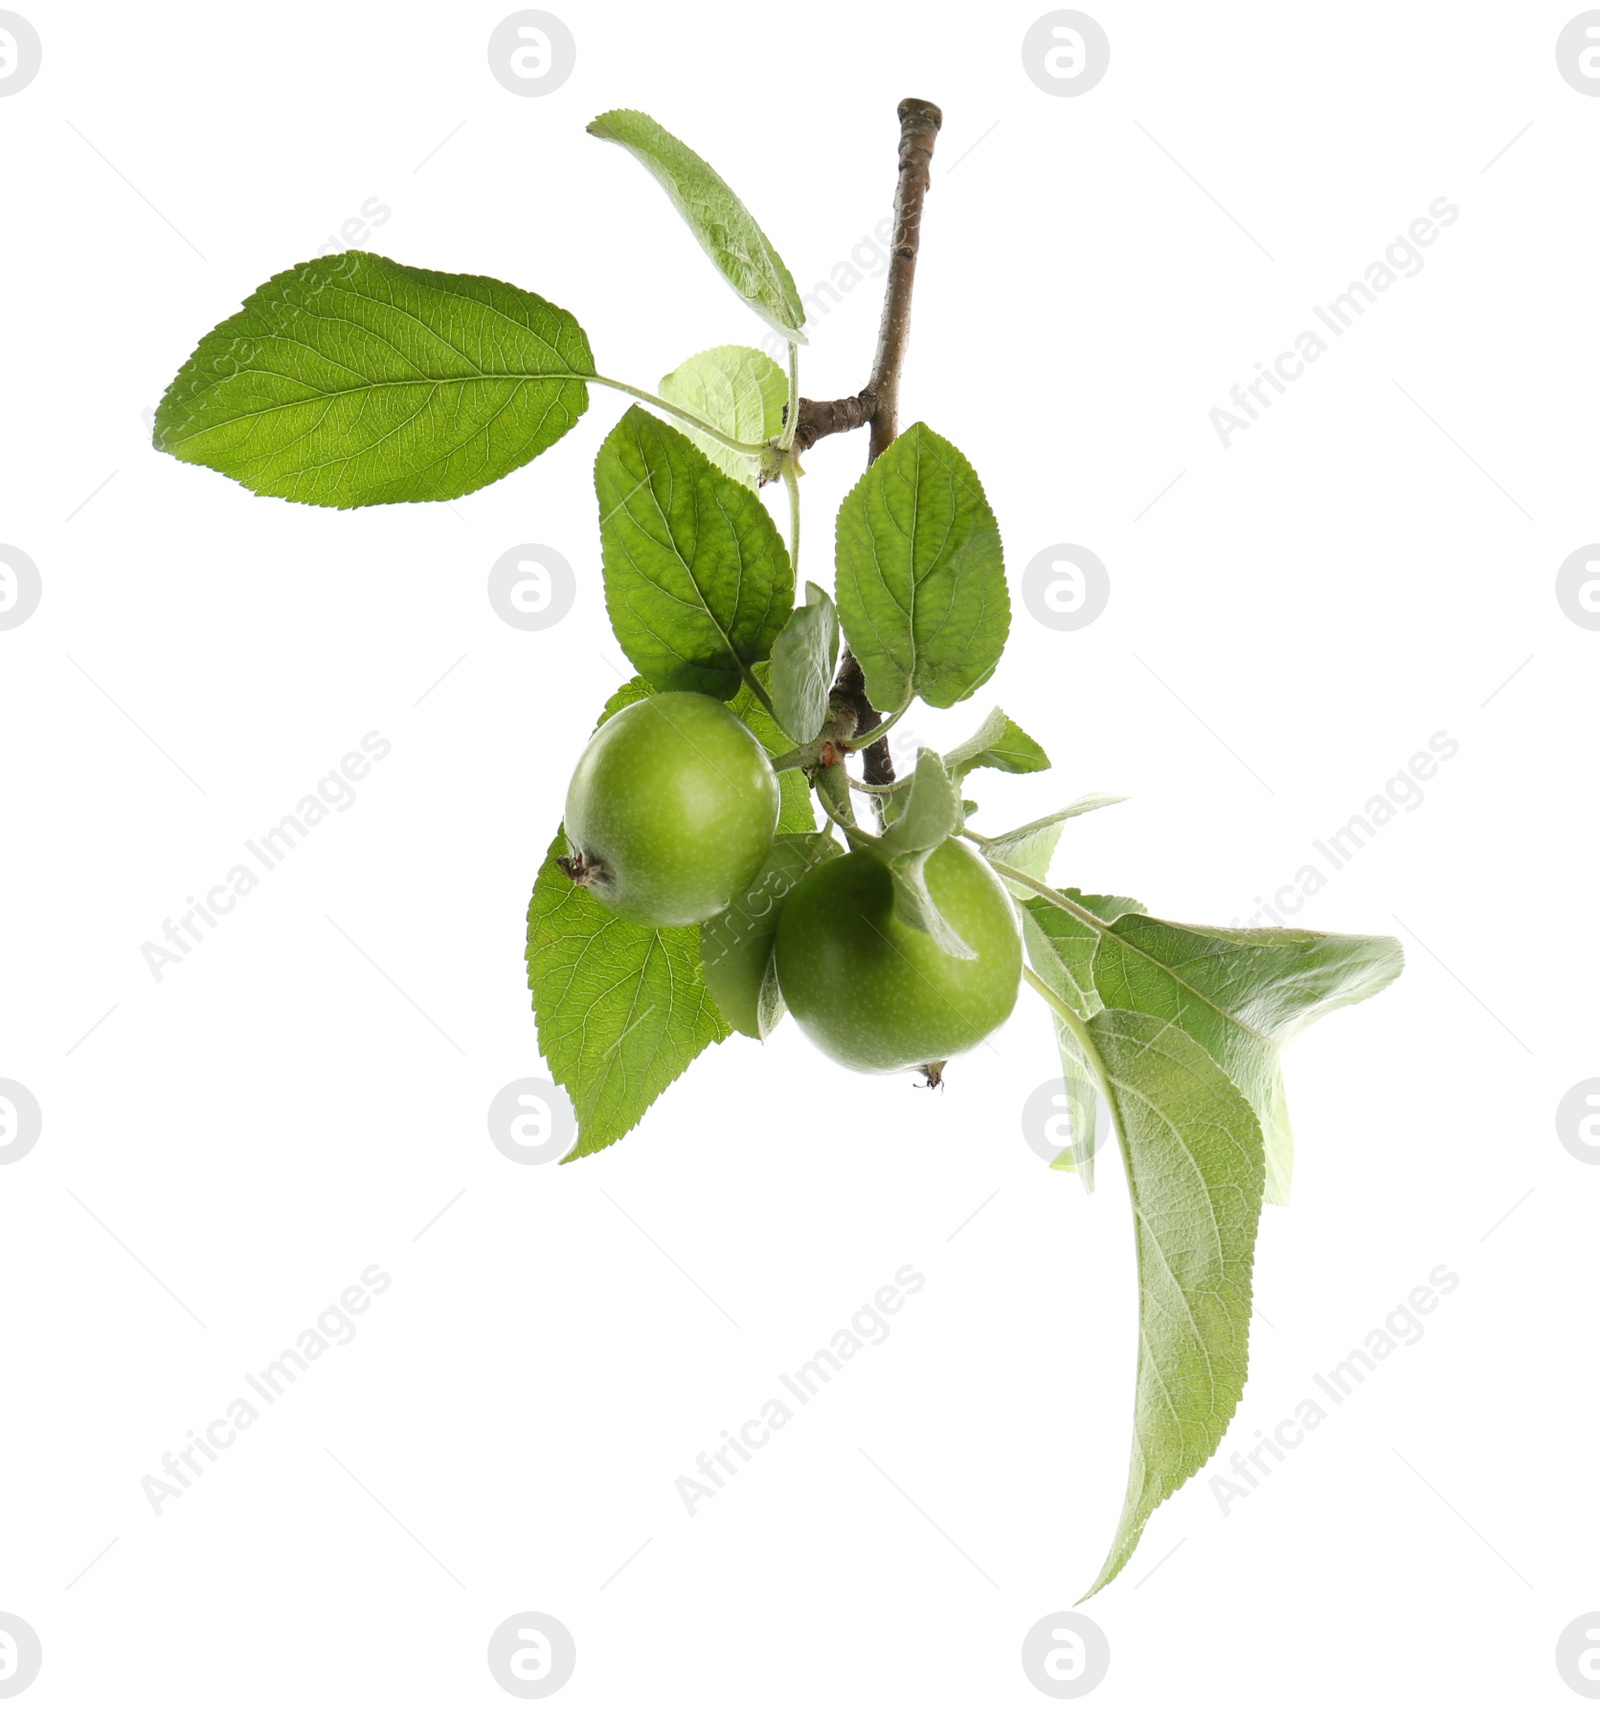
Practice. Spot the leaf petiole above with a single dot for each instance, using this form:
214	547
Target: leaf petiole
758	689
750	448
791	416
1040	888
855	836
792	482
865	738
1076	1026
1064	1011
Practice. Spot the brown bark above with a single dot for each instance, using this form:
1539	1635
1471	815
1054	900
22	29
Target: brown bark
877	404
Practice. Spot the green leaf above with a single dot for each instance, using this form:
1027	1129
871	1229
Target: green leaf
803	658
698	582
718	219
921	580
930	811
1083	1100
1242	994
1061	952
736	947
1030	847
1062	948
351	380
1193	1154
622	1010
795	812
1000	746
914	903
739	390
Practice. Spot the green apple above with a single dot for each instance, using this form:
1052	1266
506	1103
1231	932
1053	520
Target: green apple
671	810
879	995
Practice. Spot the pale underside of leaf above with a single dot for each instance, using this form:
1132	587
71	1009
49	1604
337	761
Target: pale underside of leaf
1031	847
1082	1092
803	658
1242	994
1062	973
930	808
929	812
998	745
1193	1154
915	904
740	391
1062	947
1061	952
353	380
721	223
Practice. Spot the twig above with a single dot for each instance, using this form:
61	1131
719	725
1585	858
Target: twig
919	125
850	692
838	415
877	403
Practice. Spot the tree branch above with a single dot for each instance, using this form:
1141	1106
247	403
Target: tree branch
850	692
838	415
919	125
877	404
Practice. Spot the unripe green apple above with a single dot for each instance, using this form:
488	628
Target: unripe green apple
671	810
878	995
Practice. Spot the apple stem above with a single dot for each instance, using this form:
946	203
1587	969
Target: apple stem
581	870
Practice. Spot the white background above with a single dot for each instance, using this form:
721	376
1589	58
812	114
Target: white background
1364	567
